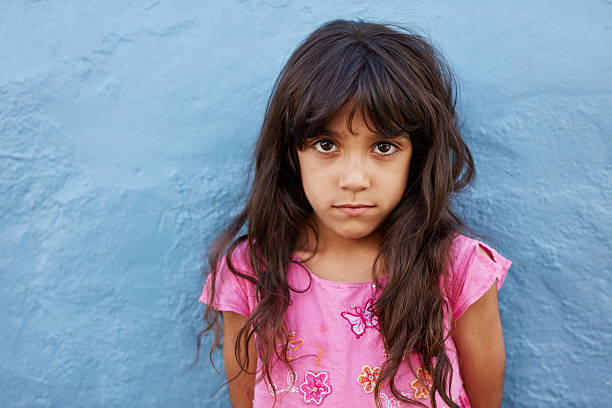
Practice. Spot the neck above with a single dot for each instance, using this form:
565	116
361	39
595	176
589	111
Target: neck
331	243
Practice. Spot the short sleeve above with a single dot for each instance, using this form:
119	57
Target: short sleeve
232	293
473	272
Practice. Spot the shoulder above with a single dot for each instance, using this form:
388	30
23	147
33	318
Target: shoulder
461	242
461	249
464	248
231	287
234	268
473	267
239	258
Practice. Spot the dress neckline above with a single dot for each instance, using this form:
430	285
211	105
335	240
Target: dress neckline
371	283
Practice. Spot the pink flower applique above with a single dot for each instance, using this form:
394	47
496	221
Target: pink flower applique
361	319
316	387
292	346
422	384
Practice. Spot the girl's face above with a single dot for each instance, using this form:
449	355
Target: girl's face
353	181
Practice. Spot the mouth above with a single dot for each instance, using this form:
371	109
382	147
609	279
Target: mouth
354	209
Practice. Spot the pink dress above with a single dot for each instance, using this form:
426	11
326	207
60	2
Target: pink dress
343	351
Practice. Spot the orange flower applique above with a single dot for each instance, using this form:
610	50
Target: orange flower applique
368	377
292	346
422	384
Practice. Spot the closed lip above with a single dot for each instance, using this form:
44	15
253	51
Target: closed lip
354	205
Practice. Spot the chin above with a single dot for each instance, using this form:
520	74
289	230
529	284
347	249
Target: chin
355	233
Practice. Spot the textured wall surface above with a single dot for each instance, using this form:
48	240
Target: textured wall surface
124	133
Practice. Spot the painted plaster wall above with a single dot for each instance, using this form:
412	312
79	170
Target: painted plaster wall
124	133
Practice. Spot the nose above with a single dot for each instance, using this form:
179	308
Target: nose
354	176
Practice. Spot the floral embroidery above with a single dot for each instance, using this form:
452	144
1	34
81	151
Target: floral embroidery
389	402
289	388
368	377
292	346
392	402
361	319
316	387
422	384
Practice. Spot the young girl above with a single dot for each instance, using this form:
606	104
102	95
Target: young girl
355	285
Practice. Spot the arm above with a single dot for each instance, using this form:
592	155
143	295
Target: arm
480	344
241	389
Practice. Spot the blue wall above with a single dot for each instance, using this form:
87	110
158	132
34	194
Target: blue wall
124	130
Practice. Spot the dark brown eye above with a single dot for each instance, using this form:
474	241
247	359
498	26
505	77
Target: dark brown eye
325	146
386	149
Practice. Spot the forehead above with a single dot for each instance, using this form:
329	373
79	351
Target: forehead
341	125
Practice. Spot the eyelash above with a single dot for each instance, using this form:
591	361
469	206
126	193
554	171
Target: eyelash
377	144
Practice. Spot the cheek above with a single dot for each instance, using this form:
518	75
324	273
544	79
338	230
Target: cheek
312	181
315	190
401	175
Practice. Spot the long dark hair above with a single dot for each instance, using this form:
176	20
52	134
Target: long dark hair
399	83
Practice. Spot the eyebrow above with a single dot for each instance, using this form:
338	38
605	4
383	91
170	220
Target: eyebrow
377	136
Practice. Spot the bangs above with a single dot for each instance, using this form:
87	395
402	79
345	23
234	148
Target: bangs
352	75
